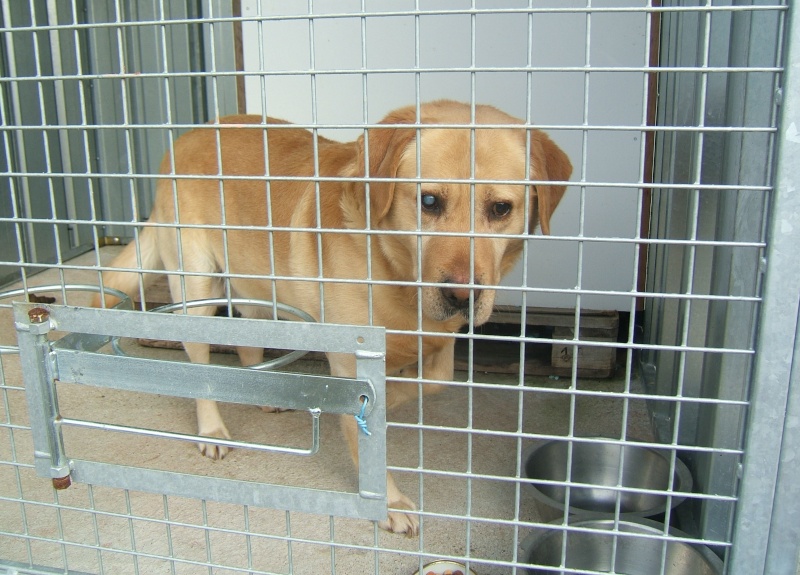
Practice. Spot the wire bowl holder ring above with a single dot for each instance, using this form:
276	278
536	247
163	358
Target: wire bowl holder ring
275	363
5	349
281	361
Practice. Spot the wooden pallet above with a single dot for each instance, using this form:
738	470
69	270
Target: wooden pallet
493	356
551	358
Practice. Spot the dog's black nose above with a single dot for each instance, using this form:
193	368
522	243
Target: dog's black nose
457	295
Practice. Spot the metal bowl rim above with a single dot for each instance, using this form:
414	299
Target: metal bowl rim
438	561
644	525
684	476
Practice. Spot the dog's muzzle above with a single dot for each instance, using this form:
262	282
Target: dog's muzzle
456	297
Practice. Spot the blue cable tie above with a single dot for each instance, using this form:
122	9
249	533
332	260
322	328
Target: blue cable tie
362	423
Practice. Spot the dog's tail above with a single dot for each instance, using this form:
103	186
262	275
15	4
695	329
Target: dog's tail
141	254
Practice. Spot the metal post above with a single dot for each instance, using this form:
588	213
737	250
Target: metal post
768	501
39	376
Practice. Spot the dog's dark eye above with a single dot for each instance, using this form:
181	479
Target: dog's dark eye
501	209
430	203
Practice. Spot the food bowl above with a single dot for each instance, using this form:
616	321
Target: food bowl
597	465
635	554
444	567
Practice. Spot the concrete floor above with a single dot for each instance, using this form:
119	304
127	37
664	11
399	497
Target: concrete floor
94	529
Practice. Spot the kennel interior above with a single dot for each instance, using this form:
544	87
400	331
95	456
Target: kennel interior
661	311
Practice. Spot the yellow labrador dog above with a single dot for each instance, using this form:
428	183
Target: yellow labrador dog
494	211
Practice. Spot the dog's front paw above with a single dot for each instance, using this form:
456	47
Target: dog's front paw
214	450
400	522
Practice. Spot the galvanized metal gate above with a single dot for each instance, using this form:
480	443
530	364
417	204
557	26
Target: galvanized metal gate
505	464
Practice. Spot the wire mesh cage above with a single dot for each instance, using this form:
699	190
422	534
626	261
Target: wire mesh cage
513	285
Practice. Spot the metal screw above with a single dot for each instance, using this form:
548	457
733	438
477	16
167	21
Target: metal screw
38	315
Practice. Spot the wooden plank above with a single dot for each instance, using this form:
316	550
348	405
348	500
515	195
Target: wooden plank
494	356
555	317
488	357
592	358
156	294
504	358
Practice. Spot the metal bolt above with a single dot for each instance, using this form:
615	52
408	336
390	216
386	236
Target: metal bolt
38	315
61	482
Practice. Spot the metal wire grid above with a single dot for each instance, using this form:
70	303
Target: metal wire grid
142	558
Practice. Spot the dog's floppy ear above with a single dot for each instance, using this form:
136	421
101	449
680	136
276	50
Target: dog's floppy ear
386	146
548	162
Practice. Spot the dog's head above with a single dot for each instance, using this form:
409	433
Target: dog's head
469	232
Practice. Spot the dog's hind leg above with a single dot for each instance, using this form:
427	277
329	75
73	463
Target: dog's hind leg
209	420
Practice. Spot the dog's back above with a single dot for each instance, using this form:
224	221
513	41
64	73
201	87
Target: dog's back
245	200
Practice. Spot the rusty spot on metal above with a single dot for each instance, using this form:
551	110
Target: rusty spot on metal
38	315
61	482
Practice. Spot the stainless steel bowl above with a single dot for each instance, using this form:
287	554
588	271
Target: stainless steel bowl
597	465
635	554
443	566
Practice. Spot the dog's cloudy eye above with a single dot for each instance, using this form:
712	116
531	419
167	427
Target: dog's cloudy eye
501	209
430	202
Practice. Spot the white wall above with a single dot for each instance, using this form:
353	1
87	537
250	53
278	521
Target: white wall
501	41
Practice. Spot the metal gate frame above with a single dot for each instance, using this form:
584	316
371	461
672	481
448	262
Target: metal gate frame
73	359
